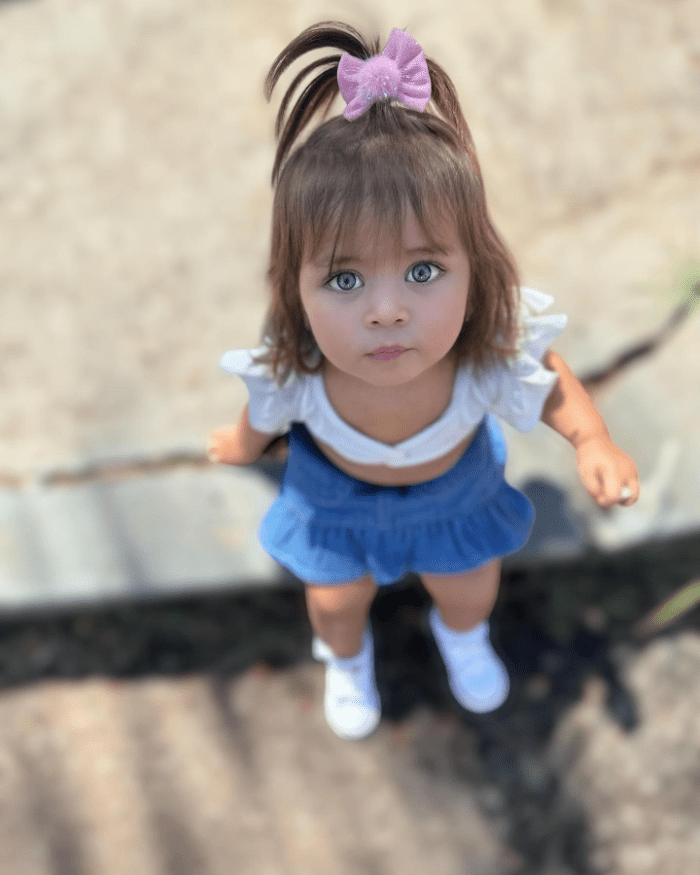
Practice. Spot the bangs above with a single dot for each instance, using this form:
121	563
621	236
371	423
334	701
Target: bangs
346	238
349	189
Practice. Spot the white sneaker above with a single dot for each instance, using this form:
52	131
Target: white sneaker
477	677
351	703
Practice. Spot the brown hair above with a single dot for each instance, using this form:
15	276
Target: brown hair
390	159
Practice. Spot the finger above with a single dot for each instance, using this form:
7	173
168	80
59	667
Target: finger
613	485
595	485
606	492
633	488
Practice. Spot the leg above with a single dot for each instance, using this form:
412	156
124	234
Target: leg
477	677
464	600
338	613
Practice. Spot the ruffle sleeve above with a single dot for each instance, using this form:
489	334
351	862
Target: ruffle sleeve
517	389
271	407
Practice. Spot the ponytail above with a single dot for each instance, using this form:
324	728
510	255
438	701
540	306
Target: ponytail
318	95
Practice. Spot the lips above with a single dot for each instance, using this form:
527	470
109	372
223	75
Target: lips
387	352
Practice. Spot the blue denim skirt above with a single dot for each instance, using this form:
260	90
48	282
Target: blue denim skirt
328	527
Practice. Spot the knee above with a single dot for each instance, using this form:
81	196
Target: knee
477	586
336	602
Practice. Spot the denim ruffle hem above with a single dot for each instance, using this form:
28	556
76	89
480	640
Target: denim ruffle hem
328	527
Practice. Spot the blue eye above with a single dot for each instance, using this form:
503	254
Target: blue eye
423	272
345	281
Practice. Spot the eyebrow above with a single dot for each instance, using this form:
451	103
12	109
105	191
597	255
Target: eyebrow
339	260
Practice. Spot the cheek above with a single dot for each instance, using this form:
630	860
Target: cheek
326	316
327	326
459	303
448	312
446	320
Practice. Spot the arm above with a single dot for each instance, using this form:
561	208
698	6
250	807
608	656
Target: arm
568	408
238	444
604	468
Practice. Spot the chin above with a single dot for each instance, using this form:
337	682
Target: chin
397	376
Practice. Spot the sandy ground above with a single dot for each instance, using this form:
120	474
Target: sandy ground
186	737
134	189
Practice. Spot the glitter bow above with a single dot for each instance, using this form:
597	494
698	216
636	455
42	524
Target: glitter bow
400	72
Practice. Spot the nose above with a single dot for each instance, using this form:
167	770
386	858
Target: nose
386	306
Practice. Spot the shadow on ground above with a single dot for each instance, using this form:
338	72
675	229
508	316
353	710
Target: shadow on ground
555	625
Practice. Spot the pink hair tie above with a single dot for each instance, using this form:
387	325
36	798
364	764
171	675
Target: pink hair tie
400	72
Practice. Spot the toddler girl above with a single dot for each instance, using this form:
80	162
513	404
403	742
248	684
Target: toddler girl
397	332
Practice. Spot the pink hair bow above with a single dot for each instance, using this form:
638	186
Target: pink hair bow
400	72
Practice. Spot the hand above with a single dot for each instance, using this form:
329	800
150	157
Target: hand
605	470
278	449
223	446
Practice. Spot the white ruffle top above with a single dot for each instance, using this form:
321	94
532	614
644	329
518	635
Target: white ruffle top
514	390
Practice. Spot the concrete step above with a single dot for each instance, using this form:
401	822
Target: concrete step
73	539
164	533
